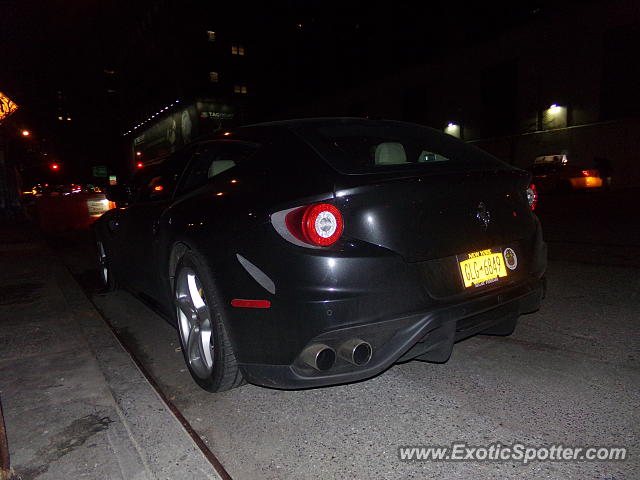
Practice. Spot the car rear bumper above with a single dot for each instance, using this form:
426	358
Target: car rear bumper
427	335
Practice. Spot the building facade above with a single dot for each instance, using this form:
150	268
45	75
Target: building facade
563	83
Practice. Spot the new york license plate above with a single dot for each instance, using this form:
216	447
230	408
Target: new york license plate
481	268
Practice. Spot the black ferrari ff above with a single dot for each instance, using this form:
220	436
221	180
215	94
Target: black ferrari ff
314	252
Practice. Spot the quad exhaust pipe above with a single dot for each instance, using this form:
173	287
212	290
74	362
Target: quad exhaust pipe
322	357
355	351
319	356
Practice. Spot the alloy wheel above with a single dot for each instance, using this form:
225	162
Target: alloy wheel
102	263
194	323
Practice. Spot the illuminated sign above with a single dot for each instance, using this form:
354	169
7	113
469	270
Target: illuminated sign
7	107
222	115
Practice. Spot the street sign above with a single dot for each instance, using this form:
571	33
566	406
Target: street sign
100	171
7	107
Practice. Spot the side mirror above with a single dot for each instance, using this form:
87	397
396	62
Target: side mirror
118	193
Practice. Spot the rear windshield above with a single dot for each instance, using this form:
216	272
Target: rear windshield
376	147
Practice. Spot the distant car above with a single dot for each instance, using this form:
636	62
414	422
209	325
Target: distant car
564	177
55	190
316	252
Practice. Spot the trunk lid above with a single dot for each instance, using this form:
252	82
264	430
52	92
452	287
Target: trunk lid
424	216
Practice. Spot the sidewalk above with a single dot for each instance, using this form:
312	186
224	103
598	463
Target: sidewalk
75	404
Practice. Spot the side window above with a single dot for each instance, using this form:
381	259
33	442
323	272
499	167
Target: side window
212	159
142	182
156	183
159	180
426	156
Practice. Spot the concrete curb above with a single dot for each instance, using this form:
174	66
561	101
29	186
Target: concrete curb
163	444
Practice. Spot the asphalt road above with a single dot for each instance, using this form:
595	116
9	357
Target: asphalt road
569	375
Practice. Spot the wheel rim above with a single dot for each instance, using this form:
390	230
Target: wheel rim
194	323
102	262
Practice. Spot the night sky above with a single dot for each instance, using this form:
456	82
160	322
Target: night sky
65	46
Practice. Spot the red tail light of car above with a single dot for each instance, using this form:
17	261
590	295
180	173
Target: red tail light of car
320	224
532	196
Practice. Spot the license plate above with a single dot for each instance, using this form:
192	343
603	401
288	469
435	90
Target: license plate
481	268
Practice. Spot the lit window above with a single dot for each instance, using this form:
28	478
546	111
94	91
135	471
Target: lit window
237	50
211	35
240	89
213	77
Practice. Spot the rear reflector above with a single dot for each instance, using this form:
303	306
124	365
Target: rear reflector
242	303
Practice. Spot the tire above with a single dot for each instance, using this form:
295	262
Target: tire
105	266
203	337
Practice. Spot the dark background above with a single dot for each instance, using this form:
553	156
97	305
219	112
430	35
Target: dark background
106	66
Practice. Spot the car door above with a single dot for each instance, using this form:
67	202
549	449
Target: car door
216	183
139	223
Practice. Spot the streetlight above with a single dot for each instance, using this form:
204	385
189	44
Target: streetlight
554	109
554	116
25	133
453	129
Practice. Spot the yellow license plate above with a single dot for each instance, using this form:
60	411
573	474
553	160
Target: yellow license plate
482	268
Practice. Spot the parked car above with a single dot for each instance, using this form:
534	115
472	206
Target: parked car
564	176
316	252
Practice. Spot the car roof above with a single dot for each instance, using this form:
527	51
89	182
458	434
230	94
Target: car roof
300	122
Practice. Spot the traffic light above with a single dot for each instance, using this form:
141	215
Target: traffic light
54	166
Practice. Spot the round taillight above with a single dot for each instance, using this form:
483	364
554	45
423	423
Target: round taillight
322	224
532	196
